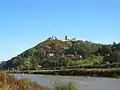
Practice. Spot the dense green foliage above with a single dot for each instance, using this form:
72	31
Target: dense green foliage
57	54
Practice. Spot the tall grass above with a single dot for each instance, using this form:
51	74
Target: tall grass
8	82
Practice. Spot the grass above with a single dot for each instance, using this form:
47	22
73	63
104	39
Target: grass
65	86
99	72
8	82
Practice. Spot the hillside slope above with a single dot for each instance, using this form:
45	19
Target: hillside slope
53	53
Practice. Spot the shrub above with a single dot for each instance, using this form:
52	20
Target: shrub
65	86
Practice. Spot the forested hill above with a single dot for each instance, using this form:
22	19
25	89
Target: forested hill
53	53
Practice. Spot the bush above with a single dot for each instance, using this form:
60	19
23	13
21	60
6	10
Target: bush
65	86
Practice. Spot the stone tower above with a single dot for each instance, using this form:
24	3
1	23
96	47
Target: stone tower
66	38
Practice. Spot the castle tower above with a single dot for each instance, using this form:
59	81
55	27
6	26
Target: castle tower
66	38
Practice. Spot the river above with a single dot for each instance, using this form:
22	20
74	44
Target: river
83	83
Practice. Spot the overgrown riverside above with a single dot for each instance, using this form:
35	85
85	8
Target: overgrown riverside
9	82
56	54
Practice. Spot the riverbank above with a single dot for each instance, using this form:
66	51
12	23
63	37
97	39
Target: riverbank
108	72
8	82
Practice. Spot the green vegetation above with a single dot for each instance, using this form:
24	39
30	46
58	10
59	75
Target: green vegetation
101	72
71	53
65	86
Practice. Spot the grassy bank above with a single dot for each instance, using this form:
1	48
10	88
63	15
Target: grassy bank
109	72
8	82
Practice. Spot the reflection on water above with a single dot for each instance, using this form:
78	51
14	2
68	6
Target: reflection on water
85	83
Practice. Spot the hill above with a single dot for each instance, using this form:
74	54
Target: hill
54	53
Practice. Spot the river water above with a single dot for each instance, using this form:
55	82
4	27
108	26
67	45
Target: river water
83	83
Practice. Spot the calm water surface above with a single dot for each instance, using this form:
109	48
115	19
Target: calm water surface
84	83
